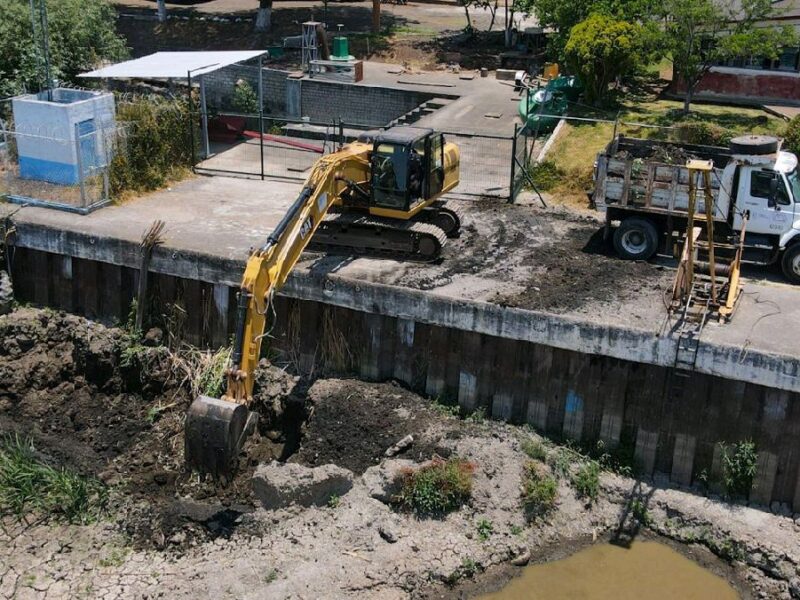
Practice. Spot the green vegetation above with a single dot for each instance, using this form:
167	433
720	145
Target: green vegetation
739	467
567	172
245	99
445	407
792	136
333	501
29	485
516	529
436	488
115	558
640	513
468	568
485	529
539	491
156	145
534	449
586	480
600	50
82	34
271	576
477	416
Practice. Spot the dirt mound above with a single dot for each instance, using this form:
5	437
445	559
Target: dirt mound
579	269
352	423
94	403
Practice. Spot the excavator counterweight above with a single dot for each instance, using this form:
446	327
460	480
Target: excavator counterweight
377	196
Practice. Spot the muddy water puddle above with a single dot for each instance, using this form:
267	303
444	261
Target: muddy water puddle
610	572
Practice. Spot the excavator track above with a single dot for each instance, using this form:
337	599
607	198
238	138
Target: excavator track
444	216
362	234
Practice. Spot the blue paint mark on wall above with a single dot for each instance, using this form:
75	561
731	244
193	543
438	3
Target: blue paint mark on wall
48	170
574	403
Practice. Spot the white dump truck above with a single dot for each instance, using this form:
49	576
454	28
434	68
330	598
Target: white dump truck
643	187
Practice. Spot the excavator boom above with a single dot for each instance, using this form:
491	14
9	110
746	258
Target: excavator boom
391	188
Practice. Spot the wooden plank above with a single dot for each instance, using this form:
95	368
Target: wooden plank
648	194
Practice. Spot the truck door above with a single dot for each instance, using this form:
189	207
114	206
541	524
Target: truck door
763	192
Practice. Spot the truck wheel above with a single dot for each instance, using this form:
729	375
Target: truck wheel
790	264
636	239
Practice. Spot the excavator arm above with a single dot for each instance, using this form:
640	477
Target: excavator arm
215	428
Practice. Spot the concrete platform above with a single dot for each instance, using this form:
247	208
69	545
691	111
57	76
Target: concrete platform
517	272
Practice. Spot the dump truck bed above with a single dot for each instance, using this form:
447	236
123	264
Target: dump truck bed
651	176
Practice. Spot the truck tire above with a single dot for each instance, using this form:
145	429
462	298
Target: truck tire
754	144
790	264
6	293
636	239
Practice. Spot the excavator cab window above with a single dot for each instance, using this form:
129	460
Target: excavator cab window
390	176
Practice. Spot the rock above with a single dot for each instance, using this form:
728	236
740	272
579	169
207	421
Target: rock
400	446
278	485
6	293
153	337
382	482
522	559
178	538
387	533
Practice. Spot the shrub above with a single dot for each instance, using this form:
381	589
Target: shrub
791	140
539	491
701	132
435	488
28	484
245	100
739	467
587	480
600	49
534	449
156	146
485	529
546	175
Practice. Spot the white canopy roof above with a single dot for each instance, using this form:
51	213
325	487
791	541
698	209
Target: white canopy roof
176	65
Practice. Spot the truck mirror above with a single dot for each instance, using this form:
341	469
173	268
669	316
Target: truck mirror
773	192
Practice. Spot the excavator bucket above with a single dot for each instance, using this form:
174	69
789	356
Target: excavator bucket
214	433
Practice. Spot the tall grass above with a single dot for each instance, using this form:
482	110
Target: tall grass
29	485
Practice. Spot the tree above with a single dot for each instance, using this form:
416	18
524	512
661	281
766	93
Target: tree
599	50
264	15
376	16
523	7
701	33
82	34
561	16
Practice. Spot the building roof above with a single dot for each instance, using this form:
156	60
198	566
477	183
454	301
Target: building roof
173	65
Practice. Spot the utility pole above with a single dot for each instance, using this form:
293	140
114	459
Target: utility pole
43	29
162	11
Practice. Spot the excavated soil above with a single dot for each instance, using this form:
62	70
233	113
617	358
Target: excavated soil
352	423
67	384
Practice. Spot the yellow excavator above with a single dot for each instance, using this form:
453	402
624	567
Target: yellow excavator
379	195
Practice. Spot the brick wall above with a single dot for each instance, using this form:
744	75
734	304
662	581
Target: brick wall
748	86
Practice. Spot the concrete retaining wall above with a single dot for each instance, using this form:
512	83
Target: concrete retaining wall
562	377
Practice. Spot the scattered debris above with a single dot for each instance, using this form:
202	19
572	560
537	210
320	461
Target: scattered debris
403	444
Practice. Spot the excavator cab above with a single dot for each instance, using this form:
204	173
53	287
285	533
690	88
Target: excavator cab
408	167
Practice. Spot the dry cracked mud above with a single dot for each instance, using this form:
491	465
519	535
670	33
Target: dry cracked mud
71	386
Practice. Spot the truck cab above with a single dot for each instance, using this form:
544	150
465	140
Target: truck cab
646	198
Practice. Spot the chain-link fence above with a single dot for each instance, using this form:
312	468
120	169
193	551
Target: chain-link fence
245	144
66	170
